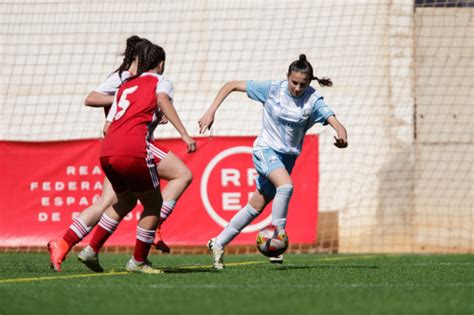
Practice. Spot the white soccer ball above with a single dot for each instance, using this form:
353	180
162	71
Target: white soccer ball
272	241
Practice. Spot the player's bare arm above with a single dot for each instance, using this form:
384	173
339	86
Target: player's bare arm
170	112
341	132
206	121
96	99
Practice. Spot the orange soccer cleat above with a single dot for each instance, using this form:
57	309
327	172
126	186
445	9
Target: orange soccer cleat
58	250
160	244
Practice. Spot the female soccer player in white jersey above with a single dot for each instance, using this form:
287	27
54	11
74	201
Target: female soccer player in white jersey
290	108
131	159
178	179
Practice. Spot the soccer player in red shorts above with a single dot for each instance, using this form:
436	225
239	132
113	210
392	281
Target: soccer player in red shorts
130	158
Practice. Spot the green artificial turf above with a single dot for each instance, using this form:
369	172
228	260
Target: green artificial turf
304	284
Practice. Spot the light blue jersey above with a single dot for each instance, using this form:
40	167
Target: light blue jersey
286	118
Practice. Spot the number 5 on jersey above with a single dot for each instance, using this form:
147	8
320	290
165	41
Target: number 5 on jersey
123	103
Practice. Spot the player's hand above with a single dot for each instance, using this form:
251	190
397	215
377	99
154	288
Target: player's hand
341	143
190	143
206	122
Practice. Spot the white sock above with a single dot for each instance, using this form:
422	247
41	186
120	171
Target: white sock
236	224
280	205
167	208
146	236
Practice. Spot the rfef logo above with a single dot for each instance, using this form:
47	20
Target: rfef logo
227	183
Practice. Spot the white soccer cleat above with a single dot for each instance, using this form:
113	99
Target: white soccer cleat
217	254
145	267
276	260
90	258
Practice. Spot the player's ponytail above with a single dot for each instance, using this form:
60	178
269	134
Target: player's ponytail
302	65
129	54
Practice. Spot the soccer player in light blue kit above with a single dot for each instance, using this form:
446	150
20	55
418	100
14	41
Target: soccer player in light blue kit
291	108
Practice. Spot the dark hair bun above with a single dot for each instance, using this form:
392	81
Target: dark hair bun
302	57
133	38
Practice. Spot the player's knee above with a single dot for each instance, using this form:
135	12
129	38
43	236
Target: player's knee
186	176
259	200
103	203
256	205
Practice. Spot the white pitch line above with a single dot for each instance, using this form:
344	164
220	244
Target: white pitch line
85	275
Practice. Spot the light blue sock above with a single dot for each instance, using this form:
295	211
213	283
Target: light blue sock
236	224
280	205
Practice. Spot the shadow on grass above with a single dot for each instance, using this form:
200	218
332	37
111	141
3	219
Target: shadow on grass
188	270
296	267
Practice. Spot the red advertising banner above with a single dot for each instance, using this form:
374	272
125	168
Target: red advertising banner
43	186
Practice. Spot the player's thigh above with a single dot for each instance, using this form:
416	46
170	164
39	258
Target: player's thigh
273	167
171	167
108	196
280	176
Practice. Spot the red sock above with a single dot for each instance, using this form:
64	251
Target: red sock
141	251
99	238
143	244
76	232
104	229
71	238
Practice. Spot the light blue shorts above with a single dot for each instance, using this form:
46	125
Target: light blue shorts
267	160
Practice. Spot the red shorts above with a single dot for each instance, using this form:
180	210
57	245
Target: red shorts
134	174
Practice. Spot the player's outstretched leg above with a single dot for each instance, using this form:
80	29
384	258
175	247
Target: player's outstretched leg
172	169
238	222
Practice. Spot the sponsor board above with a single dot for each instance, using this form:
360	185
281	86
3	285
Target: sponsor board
44	186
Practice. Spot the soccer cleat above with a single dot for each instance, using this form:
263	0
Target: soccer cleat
145	267
88	257
160	244
58	250
217	254
276	260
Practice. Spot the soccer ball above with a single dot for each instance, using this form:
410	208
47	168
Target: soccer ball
272	241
